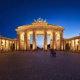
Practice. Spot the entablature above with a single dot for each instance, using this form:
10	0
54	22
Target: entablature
40	25
4	38
73	38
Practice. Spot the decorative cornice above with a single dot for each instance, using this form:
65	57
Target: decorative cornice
39	24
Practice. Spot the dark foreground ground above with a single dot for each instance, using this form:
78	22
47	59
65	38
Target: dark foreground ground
39	65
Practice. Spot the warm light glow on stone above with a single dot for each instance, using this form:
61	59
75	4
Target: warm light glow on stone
39	27
77	42
22	36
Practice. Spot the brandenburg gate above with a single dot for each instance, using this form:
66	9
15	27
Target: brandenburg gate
40	27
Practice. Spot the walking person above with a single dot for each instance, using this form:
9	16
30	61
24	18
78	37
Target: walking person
52	52
55	52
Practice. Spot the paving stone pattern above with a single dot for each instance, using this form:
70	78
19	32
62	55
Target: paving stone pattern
39	65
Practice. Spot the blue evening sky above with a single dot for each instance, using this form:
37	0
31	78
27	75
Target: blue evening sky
14	13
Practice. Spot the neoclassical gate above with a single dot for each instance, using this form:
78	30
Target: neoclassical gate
39	28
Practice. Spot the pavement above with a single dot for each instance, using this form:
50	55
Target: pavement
39	65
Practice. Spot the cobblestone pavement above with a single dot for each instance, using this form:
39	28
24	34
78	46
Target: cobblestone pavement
39	65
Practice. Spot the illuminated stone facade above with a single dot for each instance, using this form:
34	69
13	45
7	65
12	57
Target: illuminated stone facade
73	44
7	44
39	28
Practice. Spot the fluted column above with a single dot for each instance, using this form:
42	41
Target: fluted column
53	40
74	45
45	40
0	44
61	39
28	41
15	45
12	45
79	44
5	46
25	40
64	45
34	40
9	45
18	41
56	46
70	45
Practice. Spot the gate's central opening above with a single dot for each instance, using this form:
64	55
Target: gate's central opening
48	42
40	41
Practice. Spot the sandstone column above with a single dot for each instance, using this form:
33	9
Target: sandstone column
9	45
15	44
25	40
64	45
61	39
45	40
28	41
79	44
74	45
0	43
34	40
52	40
5	46
70	45
12	45
18	41
56	46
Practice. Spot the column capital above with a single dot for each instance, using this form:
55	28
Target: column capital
18	33
61	33
34	31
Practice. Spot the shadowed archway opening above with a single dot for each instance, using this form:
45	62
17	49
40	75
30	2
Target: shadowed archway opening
48	42
31	42
40	41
